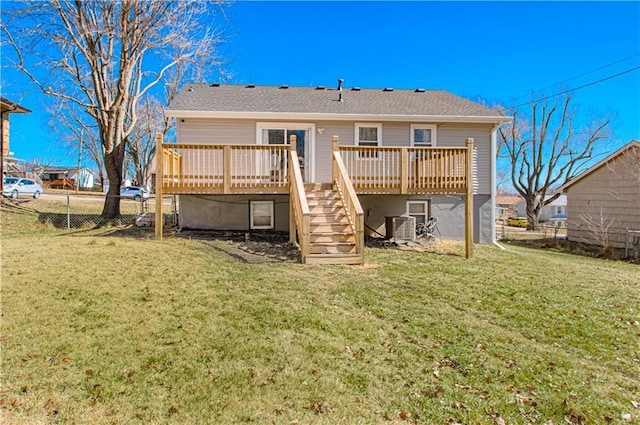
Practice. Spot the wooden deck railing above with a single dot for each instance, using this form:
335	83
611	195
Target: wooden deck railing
406	169
200	168
299	207
355	213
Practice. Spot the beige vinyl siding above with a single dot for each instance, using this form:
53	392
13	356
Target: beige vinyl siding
345	133
453	134
396	134
604	194
217	132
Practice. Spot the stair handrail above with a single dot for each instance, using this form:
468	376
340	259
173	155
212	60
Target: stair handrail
300	206
350	201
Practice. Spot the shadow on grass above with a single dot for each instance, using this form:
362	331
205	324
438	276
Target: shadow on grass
77	221
569	247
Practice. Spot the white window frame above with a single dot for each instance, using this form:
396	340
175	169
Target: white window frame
310	154
356	138
427	207
356	132
431	127
271	225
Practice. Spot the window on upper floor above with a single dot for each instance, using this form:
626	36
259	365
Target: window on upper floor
423	135
368	135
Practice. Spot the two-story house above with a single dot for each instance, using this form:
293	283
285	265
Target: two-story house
330	164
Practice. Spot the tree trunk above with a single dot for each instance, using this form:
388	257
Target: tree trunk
532	213
114	173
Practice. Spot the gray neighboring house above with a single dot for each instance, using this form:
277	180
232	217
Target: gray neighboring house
380	122
605	199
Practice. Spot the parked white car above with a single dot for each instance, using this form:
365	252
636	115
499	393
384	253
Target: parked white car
15	187
134	192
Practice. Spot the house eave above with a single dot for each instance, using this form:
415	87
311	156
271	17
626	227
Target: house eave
596	166
296	116
8	106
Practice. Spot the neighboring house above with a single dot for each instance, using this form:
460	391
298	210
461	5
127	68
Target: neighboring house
66	177
359	157
9	164
604	201
506	206
553	214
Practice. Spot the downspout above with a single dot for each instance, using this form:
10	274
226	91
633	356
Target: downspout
494	160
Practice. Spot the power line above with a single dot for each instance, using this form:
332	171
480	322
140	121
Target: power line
578	76
573	89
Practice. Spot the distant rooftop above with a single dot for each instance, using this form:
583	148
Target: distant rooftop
7	105
210	100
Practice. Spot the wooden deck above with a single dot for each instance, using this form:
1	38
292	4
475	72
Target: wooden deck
184	168
244	169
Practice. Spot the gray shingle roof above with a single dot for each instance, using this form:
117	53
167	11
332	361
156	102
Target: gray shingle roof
311	100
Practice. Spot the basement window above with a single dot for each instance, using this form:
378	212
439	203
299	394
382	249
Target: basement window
419	210
261	215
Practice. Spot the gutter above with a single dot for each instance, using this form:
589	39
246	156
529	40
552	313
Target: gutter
494	160
316	116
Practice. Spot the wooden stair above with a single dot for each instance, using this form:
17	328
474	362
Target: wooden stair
332	240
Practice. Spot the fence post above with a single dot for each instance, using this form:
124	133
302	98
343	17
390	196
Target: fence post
68	213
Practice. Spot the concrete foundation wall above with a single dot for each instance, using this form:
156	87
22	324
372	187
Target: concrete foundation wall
228	212
231	212
449	210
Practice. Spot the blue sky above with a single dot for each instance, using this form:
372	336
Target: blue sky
502	52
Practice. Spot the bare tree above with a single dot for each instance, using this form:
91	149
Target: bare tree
78	133
599	230
627	169
141	146
99	55
141	143
546	150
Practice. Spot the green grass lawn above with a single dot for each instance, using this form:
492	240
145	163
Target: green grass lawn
110	326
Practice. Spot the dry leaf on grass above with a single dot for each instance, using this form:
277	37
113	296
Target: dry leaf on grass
321	407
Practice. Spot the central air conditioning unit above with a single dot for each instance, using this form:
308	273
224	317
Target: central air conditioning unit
401	227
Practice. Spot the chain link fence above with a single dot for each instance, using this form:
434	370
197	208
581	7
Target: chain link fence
632	245
75	211
504	232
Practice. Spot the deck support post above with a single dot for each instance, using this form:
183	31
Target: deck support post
468	202
404	170
335	147
159	219
293	146
226	173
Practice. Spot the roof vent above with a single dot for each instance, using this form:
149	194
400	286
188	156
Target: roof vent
284	86
340	81
251	86
356	89
190	88
388	89
320	88
420	90
215	85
